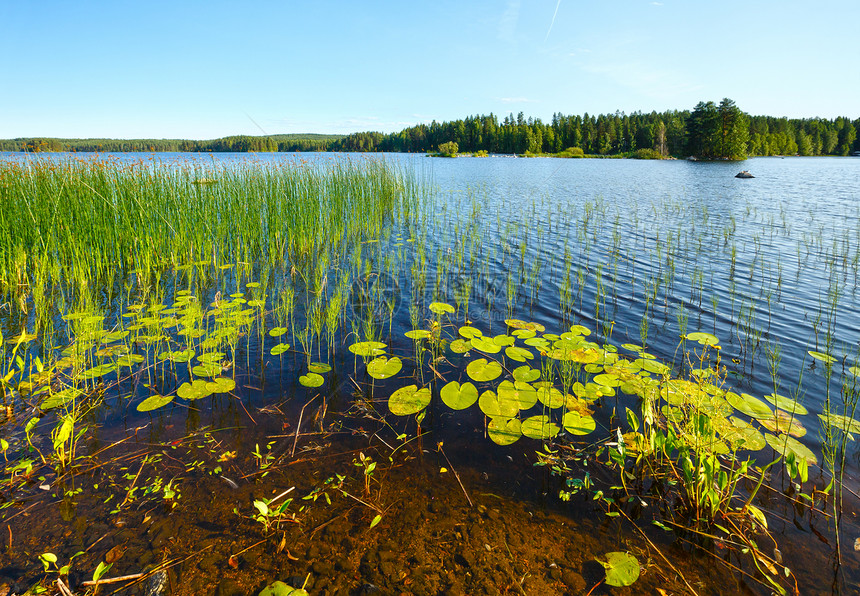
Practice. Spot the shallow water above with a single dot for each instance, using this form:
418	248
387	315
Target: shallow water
751	261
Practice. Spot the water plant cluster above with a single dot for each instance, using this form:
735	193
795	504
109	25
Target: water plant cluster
136	290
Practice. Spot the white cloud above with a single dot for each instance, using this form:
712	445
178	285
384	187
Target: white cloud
517	100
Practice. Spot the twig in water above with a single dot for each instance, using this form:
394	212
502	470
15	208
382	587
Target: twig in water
298	426
456	475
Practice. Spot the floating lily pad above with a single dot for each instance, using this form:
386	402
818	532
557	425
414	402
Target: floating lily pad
749	405
705	339
580	330
577	424
481	370
743	435
311	379
279	349
207	369
622	569
384	368
518	324
469	332
787	444
319	367
524	394
494	406
440	308
221	385
409	400
278	331
459	397
652	366
485	344
518	354
211	357
129	360
97	371
503	340
550	397
504	431
178	355
196	389
787	404
825	358
841	422
459	346
60	397
154	402
367	349
539	427
418	334
526	374
523	333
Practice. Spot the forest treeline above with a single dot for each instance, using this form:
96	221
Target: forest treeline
709	131
239	144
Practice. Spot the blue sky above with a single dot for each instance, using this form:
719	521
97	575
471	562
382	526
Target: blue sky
183	69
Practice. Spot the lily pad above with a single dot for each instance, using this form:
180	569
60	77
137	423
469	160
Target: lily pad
319	367
154	402
279	349
526	374
459	346
60	397
409	400
504	431
743	435
278	331
221	385
459	397
550	397
311	379
418	334
787	404
749	405
469	332
539	427
705	339
440	308
207	369
524	394
367	349
178	355
196	389
787	444
825	358
481	370
384	368
498	406
622	569
518	324
485	344
844	423
577	424
518	354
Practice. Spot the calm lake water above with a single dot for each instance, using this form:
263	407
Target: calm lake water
639	252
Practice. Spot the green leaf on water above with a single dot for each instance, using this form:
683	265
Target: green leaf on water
550	397
178	355
518	354
409	400
481	370
785	444
622	569
485	344
787	404
440	308
825	358
459	346
279	588
504	431
366	349
526	374
221	385
97	371
498	406
129	360
418	334
311	380
459	397
524	394
384	368
841	422
279	349
60	397
278	331
319	367
577	424
749	405
196	389
469	332
207	369
539	427
705	339
154	402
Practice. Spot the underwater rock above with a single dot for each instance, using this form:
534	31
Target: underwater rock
157	583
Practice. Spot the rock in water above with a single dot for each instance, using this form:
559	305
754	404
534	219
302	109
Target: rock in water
744	174
157	584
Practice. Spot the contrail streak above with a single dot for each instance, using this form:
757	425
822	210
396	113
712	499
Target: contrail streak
552	22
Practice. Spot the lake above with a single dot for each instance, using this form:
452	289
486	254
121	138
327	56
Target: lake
637	253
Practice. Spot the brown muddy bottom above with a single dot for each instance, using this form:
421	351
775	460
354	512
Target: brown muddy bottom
466	517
